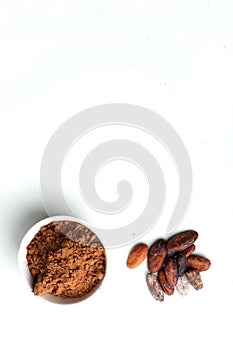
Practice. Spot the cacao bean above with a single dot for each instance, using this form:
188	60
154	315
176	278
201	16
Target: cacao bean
189	250
181	263
183	285
137	255
198	262
171	271
194	278
154	286
157	255
181	241
164	284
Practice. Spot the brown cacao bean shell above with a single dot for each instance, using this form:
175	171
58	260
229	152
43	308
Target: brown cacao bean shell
137	255
164	284
198	262
171	271
181	263
181	241
154	286
157	255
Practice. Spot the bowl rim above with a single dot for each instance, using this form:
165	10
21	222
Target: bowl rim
23	265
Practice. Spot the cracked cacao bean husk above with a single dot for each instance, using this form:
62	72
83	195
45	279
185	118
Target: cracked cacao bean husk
154	286
194	278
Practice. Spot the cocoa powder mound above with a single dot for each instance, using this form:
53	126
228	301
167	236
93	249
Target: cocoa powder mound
66	259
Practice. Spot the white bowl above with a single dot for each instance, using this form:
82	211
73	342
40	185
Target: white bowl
23	265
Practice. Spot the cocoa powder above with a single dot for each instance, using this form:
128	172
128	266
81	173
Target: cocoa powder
66	259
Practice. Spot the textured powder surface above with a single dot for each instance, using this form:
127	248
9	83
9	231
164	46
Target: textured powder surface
66	259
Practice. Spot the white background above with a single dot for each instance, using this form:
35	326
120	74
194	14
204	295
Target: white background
174	57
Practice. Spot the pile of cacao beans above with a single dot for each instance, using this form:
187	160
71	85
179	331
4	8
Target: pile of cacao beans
171	264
